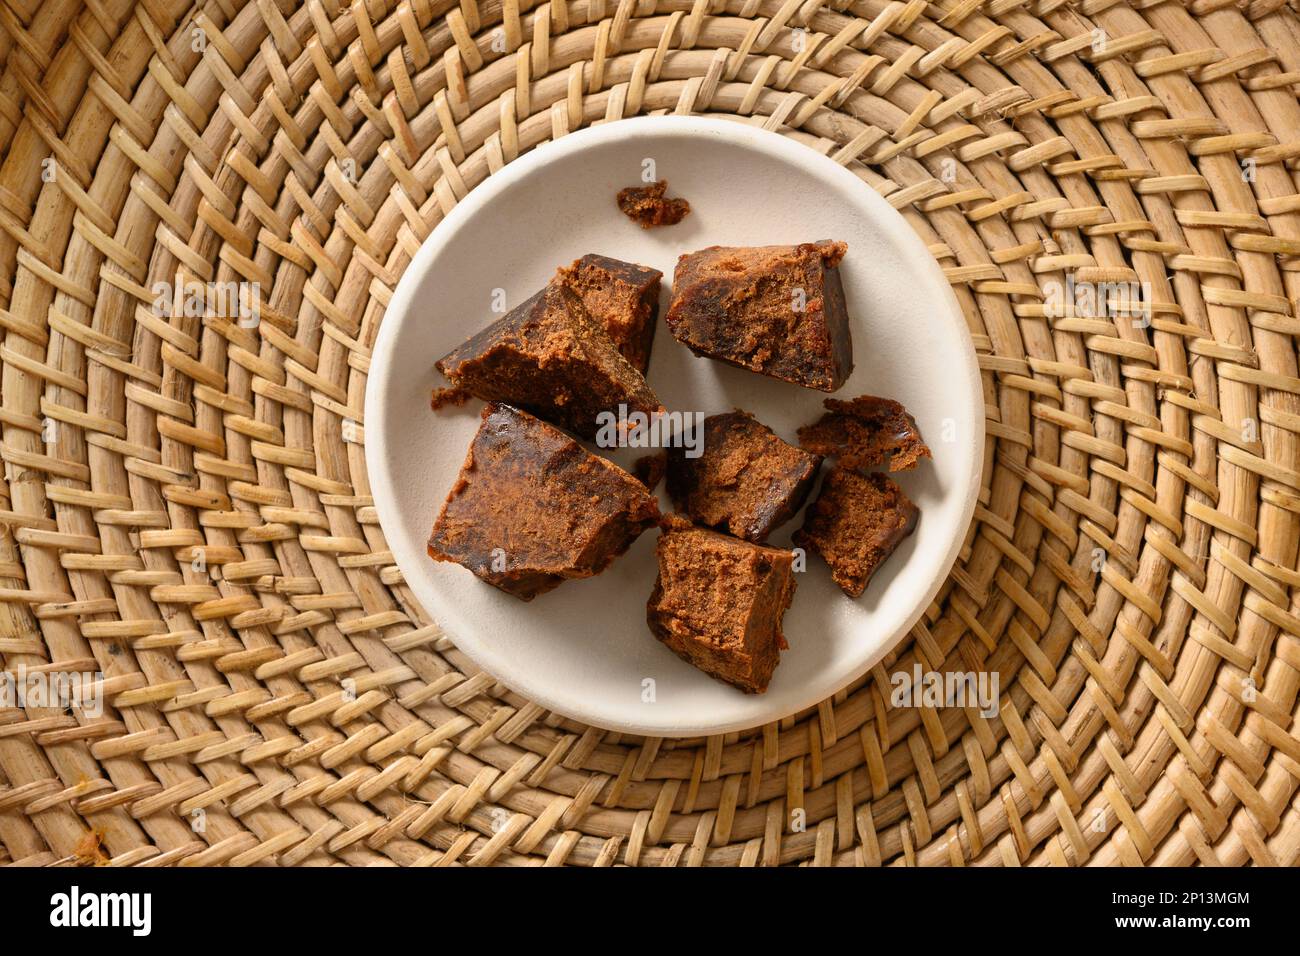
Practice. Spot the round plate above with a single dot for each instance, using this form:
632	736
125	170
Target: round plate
584	649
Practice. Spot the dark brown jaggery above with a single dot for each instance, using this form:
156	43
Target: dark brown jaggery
776	310
648	206
650	469
865	433
718	603
746	481
855	524
532	508
549	357
623	297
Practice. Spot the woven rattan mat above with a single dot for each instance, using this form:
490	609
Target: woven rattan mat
186	504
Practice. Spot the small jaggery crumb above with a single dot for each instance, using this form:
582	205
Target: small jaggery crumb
649	207
442	397
865	433
650	469
89	850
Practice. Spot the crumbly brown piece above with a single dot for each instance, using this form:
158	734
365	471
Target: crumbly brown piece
777	310
649	207
718	603
89	850
532	508
649	469
549	357
865	433
442	397
746	481
855	524
623	297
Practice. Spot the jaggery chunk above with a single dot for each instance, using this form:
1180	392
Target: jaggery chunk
623	297
649	469
746	481
777	310
648	207
532	508
855	524
866	432
549	357
718	603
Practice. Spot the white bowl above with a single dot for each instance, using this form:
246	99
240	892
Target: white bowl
584	649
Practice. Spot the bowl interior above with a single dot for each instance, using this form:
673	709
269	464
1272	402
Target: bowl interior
584	649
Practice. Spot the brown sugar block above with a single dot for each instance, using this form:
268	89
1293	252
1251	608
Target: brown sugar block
746	481
718	603
777	310
549	357
532	508
623	297
866	432
649	469
648	206
855	524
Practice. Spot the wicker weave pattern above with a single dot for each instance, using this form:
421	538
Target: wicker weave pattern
292	697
